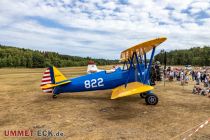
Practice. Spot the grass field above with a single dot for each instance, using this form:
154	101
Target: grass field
92	115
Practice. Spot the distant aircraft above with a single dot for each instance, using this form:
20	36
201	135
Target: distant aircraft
92	68
133	78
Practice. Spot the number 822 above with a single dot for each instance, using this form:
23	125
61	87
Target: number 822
94	83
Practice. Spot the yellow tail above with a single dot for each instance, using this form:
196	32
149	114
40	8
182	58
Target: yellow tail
58	76
52	77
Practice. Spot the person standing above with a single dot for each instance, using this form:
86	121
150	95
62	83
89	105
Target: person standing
182	77
193	75
198	77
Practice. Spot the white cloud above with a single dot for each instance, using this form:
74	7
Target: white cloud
97	28
203	5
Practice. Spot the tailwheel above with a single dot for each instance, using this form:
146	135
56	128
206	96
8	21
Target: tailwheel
54	96
151	99
143	95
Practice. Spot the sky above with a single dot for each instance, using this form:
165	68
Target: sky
103	28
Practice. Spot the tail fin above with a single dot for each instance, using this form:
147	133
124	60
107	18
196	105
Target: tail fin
52	77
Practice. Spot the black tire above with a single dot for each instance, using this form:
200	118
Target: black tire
143	95
151	99
54	96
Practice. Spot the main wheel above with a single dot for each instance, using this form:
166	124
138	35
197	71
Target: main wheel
143	95
151	99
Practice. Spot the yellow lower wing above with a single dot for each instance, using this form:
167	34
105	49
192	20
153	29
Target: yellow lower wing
131	89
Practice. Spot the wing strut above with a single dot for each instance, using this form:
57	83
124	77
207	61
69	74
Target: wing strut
129	71
149	66
143	79
145	60
138	67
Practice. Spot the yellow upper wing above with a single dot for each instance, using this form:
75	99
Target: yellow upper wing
142	48
131	89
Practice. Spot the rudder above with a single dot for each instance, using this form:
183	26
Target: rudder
47	79
52	77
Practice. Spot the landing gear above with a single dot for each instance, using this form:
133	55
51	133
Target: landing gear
151	99
143	95
54	96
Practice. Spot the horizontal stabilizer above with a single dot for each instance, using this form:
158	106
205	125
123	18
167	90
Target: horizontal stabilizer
131	89
47	86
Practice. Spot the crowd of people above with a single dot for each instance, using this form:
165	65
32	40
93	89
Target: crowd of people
202	82
201	77
178	74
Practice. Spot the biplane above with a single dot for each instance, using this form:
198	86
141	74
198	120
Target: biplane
132	78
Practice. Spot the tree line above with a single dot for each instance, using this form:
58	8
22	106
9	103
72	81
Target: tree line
198	56
20	57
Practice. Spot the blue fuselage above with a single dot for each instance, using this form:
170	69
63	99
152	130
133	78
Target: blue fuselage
98	81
